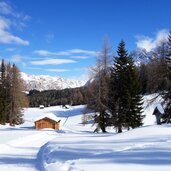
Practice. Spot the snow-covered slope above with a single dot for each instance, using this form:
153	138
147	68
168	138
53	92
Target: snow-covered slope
146	148
45	82
143	149
76	148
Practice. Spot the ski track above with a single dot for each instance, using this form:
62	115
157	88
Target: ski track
20	154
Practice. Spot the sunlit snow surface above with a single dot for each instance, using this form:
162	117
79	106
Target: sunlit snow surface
76	148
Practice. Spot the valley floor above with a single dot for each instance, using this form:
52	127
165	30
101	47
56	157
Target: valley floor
76	148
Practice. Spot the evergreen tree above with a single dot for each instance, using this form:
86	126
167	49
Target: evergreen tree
134	114
125	101
2	94
8	92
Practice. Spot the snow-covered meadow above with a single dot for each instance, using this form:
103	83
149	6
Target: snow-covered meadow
76	148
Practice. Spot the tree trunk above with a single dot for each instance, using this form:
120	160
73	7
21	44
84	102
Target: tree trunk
103	129
119	129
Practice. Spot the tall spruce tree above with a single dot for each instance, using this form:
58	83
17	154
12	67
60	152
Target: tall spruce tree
8	92
124	91
167	94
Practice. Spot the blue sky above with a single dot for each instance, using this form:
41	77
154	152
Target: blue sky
63	37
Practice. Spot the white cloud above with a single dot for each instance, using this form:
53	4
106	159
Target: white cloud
48	53
4	23
5	8
149	43
11	19
52	62
6	37
44	53
63	53
146	43
78	51
80	57
57	70
162	36
17	58
10	49
81	54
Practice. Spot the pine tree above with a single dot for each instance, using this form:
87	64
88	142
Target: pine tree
134	115
8	92
125	101
2	94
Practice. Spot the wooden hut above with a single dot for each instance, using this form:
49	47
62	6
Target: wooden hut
158	112
48	120
41	107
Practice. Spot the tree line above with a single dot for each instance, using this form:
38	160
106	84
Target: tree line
12	96
69	96
116	92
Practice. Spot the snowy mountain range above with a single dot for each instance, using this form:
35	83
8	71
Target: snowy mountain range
141	56
46	82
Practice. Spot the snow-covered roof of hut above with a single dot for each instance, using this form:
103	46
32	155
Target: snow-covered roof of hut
160	108
47	115
41	106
